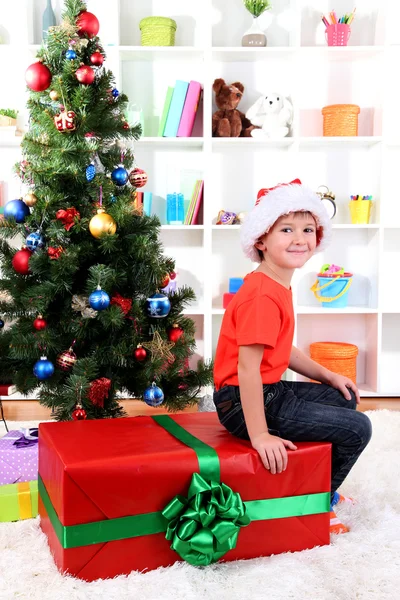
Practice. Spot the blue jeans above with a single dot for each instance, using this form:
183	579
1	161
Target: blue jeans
304	412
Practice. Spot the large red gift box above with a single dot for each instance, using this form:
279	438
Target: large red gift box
104	484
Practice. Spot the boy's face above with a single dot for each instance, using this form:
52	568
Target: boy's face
291	241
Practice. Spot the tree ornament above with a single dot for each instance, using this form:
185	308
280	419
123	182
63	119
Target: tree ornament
165	281
125	125
97	59
99	299
81	304
30	199
159	348
158	306
140	353
34	241
66	360
88	24
54	253
70	54
119	175
1	323
54	95
39	323
79	413
153	395
90	172
67	217
65	121
115	93
102	223
125	304
172	275
38	77
43	368
99	390
174	333
17	210
138	178
20	261
85	75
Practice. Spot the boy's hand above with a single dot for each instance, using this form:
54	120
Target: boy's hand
272	451
342	383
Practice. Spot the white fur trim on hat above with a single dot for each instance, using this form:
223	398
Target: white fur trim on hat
280	201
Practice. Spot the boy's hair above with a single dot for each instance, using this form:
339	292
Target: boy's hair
273	203
303	213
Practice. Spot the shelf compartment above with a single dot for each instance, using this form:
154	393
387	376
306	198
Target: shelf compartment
390	354
361	258
388	272
188	252
358	329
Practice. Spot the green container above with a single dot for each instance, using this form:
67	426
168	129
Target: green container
157	31
18	501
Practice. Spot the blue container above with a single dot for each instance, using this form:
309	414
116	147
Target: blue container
175	209
235	283
337	290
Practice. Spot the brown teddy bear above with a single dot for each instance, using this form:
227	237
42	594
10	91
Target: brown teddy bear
228	121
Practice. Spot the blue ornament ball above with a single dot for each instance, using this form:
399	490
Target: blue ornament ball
34	241
43	368
1	323
153	395
70	54
119	176
99	300
115	93
90	172
16	209
158	306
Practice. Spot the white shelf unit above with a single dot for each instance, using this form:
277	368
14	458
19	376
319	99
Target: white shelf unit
298	63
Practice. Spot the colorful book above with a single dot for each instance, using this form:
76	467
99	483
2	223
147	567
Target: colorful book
194	202
165	111
175	109
198	204
7	389
190	109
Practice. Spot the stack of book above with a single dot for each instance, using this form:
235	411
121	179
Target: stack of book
7	389
192	215
180	108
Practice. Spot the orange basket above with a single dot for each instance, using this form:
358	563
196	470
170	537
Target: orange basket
337	357
341	119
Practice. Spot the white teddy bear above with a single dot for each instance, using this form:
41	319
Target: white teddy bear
273	113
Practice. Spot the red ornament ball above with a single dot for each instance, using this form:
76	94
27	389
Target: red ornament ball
85	75
39	323
20	262
38	77
175	333
164	282
66	360
97	59
140	353
79	414
172	275
88	24
138	178
125	125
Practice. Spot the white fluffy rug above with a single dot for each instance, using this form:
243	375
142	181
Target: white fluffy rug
361	565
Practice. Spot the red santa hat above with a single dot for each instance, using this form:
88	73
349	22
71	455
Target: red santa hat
275	202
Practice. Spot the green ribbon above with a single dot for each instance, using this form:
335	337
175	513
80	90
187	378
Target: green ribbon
203	526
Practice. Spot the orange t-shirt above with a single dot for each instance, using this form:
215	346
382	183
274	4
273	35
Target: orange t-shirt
260	313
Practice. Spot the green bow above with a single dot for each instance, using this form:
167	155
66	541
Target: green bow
205	525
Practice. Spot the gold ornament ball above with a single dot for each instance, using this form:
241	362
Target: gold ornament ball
30	199
102	223
54	95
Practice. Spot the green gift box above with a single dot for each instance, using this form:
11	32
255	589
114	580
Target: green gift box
18	501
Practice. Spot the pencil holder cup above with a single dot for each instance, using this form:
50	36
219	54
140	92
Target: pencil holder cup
338	34
360	211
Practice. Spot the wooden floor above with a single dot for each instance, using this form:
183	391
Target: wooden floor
31	410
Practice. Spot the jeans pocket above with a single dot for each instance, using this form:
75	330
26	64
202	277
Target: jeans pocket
230	412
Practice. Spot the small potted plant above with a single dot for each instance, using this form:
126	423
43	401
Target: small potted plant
255	37
8	117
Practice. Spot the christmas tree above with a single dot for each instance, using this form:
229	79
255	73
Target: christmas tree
86	296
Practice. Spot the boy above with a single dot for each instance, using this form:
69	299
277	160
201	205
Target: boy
287	225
